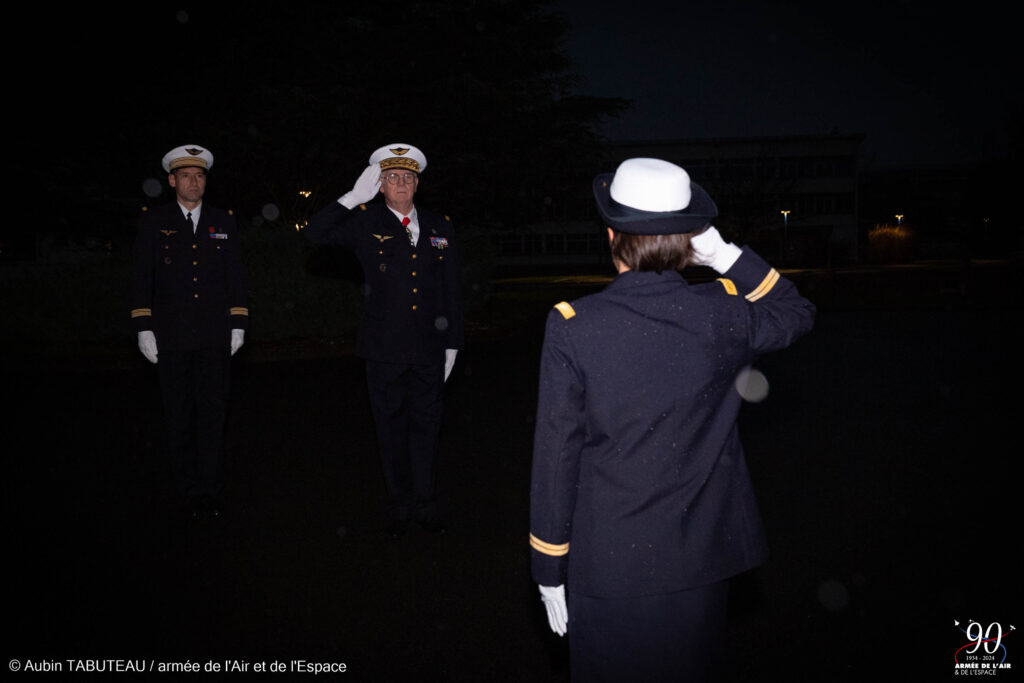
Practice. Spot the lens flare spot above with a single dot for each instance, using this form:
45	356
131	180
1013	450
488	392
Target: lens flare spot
271	212
833	595
752	385
151	187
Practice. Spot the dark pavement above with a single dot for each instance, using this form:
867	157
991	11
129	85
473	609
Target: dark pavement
885	461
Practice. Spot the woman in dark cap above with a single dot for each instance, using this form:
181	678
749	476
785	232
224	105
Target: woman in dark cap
641	504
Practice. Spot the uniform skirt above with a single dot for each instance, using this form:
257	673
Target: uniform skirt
671	637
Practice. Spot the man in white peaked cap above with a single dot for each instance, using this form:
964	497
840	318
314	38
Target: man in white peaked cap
190	314
411	327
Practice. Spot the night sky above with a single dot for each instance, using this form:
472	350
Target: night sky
925	82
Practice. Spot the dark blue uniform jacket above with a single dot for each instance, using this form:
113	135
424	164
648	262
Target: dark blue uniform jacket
411	309
639	483
188	288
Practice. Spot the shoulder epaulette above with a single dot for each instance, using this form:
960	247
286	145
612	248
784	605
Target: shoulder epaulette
565	309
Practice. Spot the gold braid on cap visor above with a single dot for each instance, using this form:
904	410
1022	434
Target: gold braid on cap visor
410	164
183	162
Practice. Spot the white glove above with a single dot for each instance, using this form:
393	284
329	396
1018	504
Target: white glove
147	344
237	339
449	362
709	249
365	189
553	598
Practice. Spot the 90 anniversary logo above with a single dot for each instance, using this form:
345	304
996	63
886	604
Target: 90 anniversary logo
984	653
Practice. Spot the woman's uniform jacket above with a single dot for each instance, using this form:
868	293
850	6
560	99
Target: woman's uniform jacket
639	484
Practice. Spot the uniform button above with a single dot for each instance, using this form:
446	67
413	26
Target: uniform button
195	279
195	296
414	273
414	307
193	246
414	255
195	263
415	290
381	252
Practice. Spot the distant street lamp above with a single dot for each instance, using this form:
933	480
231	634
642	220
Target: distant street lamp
785	231
899	219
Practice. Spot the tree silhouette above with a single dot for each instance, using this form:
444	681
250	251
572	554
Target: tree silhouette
294	96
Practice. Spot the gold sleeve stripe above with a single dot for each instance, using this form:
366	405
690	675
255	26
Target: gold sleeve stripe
142	312
766	286
565	309
548	548
238	310
729	285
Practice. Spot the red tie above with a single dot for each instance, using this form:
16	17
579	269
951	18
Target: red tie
405	222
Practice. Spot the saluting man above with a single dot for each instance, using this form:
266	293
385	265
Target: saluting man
641	503
411	326
189	309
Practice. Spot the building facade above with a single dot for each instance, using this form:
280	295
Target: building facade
794	199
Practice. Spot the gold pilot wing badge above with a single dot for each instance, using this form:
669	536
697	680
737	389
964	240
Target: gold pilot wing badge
399	151
381	238
168	232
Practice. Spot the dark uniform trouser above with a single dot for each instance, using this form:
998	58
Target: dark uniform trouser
406	401
194	386
658	638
